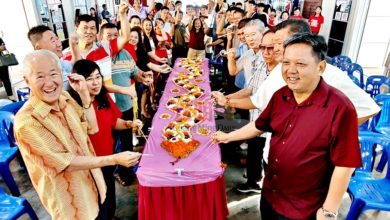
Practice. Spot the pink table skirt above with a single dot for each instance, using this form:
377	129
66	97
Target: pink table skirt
206	201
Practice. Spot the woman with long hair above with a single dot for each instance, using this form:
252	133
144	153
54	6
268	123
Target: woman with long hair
150	41
196	45
315	21
108	118
283	17
164	42
144	63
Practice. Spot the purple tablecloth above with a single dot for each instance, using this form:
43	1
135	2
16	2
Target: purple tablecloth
202	165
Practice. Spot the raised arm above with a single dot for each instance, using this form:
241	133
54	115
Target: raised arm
74	47
125	26
78	83
220	19
152	6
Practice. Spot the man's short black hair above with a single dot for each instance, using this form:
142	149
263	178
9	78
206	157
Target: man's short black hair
108	26
238	3
164	7
266	8
104	5
239	10
84	17
204	6
35	33
136	17
177	2
243	22
189	6
180	12
261	5
317	43
252	2
294	26
158	6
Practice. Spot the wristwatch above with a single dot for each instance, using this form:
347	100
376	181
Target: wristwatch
87	106
329	214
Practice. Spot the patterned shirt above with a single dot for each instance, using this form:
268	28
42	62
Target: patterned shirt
259	75
48	141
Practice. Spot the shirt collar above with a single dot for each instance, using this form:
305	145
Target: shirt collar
42	108
319	96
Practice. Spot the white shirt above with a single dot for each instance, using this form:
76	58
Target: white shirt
333	76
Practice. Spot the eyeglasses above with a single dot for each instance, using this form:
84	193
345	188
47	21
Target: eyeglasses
270	48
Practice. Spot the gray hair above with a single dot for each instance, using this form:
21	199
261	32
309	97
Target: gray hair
256	24
31	57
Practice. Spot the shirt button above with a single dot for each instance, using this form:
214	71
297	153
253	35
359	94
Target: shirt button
290	125
283	142
276	160
274	190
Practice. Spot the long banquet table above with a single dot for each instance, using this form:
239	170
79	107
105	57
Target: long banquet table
188	188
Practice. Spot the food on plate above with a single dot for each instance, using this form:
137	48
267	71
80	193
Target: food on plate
165	116
203	131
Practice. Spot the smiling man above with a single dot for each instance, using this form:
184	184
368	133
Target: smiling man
51	130
310	162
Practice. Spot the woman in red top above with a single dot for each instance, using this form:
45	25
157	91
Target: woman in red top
196	45
164	39
297	14
108	118
315	21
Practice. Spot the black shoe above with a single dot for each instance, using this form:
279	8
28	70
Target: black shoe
247	188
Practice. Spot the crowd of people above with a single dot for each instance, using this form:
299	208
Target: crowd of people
109	82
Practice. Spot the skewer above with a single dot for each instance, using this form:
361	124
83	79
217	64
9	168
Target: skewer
142	134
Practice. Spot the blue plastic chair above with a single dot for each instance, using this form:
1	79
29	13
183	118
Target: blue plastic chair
382	122
12	107
341	62
374	83
367	192
355	70
355	80
8	150
14	207
4	102
23	93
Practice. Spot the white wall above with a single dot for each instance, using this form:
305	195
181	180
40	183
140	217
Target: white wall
376	35
328	7
15	24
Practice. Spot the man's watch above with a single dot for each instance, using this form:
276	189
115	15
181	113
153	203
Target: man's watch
329	214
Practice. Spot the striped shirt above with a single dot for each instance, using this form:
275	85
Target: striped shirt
259	75
48	141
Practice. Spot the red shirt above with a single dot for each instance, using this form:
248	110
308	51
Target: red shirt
101	54
196	40
296	17
161	48
103	141
315	23
131	50
308	141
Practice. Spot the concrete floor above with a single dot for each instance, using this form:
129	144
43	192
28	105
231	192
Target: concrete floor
241	206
